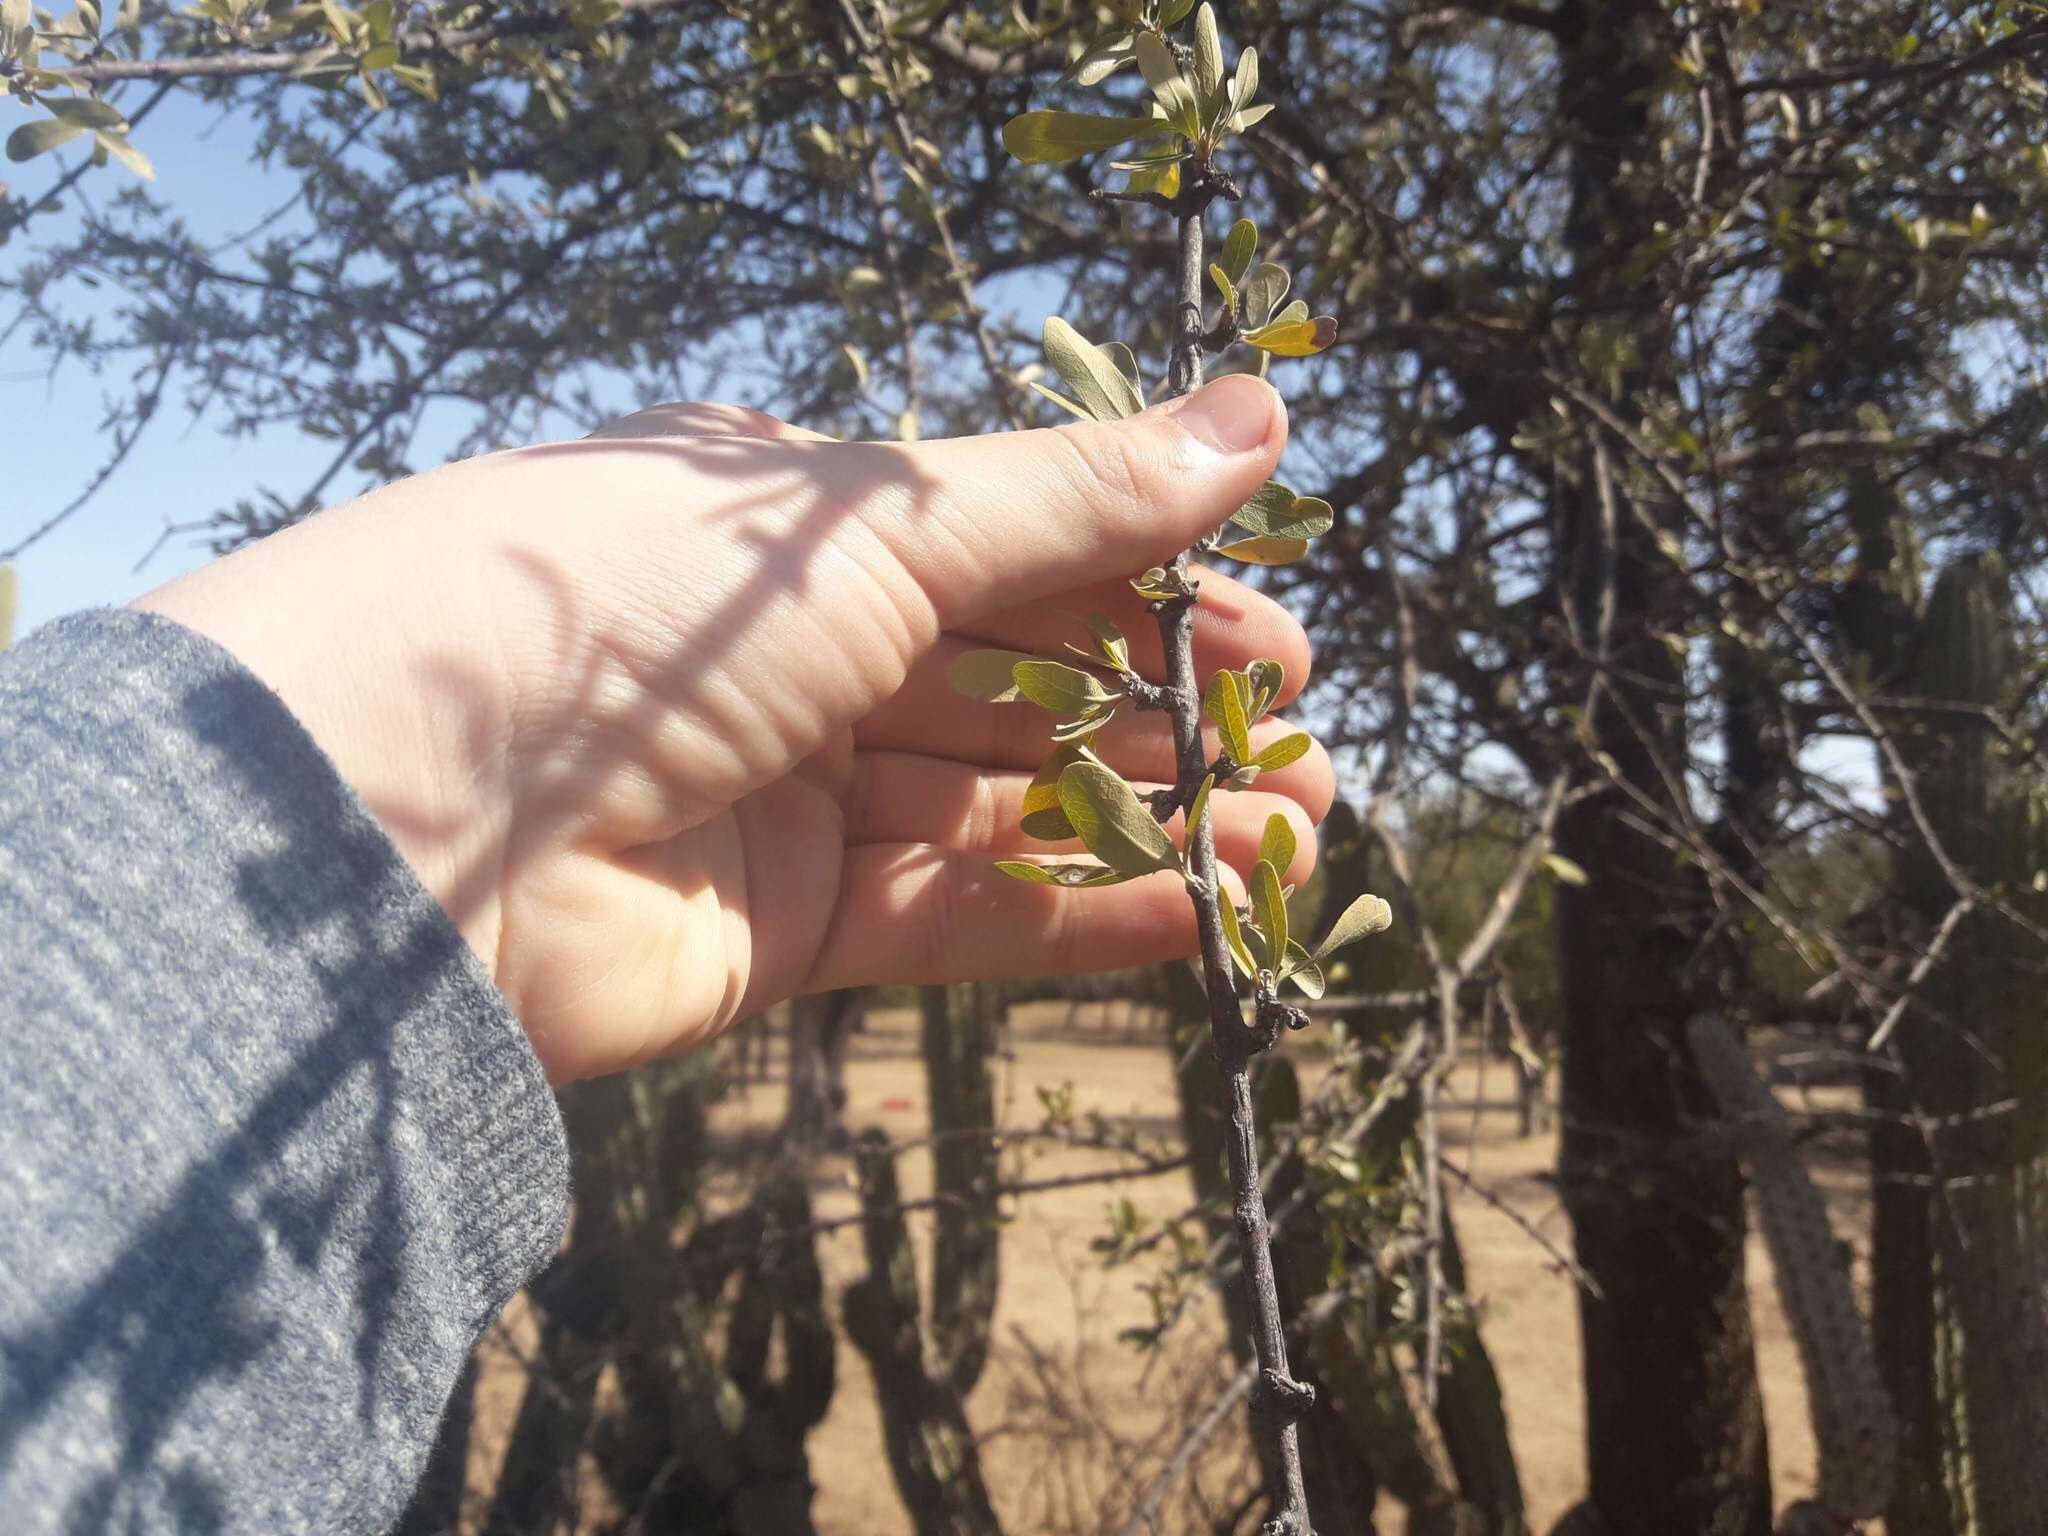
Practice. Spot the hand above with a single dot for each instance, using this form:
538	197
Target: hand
661	717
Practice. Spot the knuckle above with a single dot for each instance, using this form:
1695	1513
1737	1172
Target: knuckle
1108	467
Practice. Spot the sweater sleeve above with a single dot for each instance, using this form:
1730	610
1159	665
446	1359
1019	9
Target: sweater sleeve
273	1149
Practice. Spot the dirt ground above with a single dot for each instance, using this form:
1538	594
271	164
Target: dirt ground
1059	1375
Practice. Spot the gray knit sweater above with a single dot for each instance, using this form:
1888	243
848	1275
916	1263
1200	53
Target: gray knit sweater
273	1150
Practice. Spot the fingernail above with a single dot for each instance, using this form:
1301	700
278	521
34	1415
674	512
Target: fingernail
1232	415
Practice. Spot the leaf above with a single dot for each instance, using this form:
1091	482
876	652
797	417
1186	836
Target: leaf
1302	970
1208	55
1363	918
383	56
1233	938
1195	808
1113	823
1278	513
1058	138
86	111
40	137
1101	60
1566	870
1223	284
17	15
1043	816
119	148
1090	373
1265	551
1170	87
1225	705
1072	876
1277	842
1266	678
1060	400
1126	363
1058	687
1294	338
1244	85
1241	242
1173	12
10	592
1250	116
989	676
1110	643
1278	754
1269	904
1084	725
1153	586
1263	291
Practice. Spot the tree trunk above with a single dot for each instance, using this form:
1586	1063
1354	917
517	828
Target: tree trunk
1674	1420
821	1029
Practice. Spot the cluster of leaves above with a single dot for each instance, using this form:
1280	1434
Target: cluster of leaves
71	115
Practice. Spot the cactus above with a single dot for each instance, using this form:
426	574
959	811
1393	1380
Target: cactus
1963	1313
1854	1432
924	1369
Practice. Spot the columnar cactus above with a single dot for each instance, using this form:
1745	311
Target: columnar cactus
924	1369
1853	1429
1969	1274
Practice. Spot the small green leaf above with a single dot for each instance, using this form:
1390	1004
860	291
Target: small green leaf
383	56
10	592
1195	809
1173	12
1102	60
1126	363
1072	876
1060	400
989	676
86	111
1270	906
1565	869
1083	726
1263	291
1170	88
1294	338
1225	705
1363	918
1302	970
1058	687
119	148
1090	372
1223	284
1058	138
40	137
1113	823
1233	937
1110	645
1278	754
1265	551
1208	55
1266	678
1278	513
1241	242
1249	117
1244	85
1153	586
1043	817
1277	843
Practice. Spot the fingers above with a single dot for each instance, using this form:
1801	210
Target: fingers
908	912
703	418
898	797
985	523
927	716
1234	626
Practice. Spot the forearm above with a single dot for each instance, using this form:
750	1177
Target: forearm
275	1149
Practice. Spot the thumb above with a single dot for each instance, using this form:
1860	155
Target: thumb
986	522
